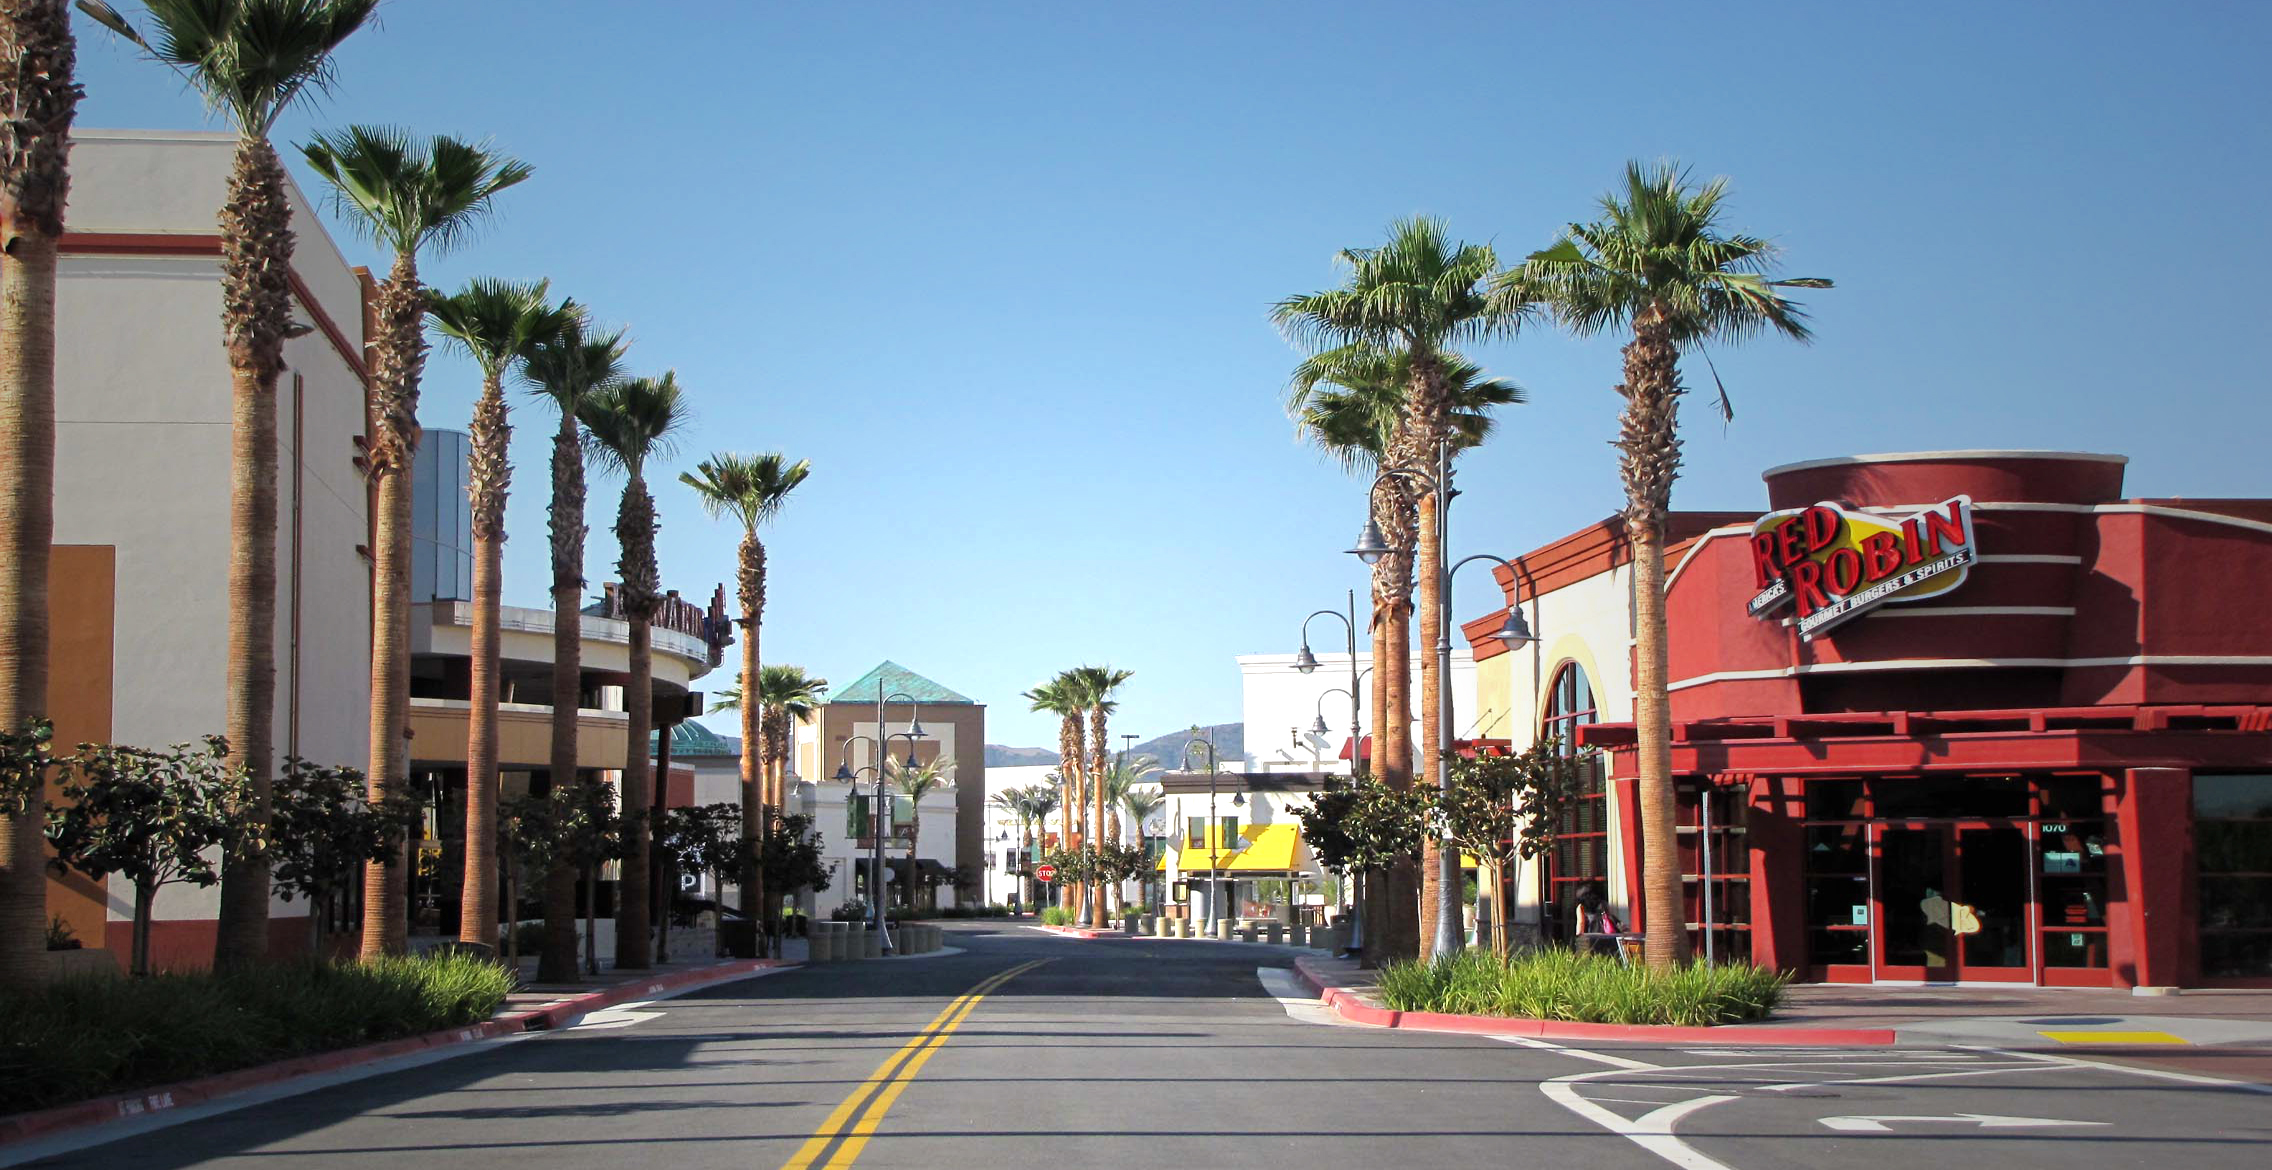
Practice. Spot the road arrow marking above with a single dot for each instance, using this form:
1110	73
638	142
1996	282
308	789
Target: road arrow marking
1983	1120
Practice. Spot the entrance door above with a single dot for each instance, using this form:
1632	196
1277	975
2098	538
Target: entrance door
1953	902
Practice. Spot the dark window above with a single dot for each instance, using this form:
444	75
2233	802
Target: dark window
2232	827
1581	841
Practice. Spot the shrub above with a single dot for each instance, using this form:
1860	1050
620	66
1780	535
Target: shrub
86	1037
1056	916
1560	984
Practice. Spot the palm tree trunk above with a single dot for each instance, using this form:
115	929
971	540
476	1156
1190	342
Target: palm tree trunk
633	946
750	580
27	529
1650	447
397	360
41	98
490	474
1100	774
1399	933
556	961
256	262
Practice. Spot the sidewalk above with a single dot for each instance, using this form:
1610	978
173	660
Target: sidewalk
2168	1030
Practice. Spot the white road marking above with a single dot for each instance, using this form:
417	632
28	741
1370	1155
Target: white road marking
1580	1053
621	1015
1294	996
1879	1123
2155	1073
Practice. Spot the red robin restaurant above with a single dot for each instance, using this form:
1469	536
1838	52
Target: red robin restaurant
1969	716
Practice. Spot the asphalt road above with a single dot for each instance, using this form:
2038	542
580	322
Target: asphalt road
1032	1050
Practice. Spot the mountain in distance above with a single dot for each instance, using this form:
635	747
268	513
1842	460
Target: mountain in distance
1229	740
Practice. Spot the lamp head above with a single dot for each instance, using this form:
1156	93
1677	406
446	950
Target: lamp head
1319	727
915	727
1372	543
1515	631
1305	661
844	772
1238	800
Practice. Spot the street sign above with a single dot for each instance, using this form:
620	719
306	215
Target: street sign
1045	872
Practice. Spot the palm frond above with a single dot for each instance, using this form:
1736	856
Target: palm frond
407	194
751	488
498	322
633	419
575	363
249	59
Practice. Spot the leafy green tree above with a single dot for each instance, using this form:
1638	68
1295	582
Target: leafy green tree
704	840
1505	808
322	831
251	60
153	817
572	827
1658	261
410	196
789	856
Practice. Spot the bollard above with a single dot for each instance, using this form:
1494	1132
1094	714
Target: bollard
1275	933
872	944
1177	927
1248	933
820	944
1298	935
853	946
1225	929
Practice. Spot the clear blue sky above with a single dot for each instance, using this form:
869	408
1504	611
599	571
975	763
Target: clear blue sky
1002	272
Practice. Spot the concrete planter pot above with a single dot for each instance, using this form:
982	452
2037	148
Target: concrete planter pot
1148	924
1275	933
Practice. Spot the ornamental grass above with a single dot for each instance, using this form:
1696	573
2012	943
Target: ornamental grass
1554	983
95	1035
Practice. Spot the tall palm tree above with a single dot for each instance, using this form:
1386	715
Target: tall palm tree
916	783
1041	800
1098	685
498	324
1060	697
407	196
1658	262
788	697
37	57
1419	293
751	489
567	368
630	422
1350	402
1141	803
250	60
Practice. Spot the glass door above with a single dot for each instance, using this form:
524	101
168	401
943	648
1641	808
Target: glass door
1954	902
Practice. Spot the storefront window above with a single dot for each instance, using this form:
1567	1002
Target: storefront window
2232	833
2071	855
1581	841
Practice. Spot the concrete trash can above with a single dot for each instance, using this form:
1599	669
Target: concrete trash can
820	944
855	941
1275	933
1225	929
1175	927
1249	933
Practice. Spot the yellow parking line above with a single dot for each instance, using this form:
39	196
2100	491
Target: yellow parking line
2115	1037
891	1077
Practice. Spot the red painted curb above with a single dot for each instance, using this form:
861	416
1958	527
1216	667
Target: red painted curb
102	1110
1349	1006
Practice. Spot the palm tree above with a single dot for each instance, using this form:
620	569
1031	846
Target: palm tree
1041	800
751	489
1141	804
1657	261
630	422
1098	683
37	56
498	324
250	60
916	783
407	196
788	697
567	368
1060	697
1417	294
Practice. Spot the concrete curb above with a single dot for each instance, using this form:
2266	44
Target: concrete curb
1352	1007
47	1122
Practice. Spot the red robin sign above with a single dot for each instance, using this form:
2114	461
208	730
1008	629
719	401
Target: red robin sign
1832	563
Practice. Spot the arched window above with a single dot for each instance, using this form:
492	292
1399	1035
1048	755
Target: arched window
1581	842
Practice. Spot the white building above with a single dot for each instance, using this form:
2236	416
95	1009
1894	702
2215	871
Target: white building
1281	707
142	490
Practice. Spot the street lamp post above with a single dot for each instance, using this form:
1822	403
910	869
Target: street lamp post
1306	663
1372	545
913	733
1214	831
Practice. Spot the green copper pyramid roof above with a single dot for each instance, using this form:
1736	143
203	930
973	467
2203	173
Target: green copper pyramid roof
692	739
896	680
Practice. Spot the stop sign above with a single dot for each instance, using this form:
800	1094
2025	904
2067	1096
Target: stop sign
1045	872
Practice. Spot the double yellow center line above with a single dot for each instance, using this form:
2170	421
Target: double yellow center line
874	1096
